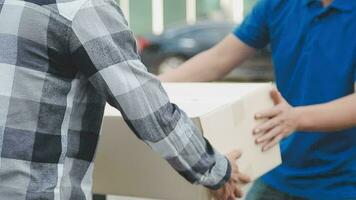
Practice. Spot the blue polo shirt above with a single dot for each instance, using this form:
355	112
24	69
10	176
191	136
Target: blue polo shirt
314	54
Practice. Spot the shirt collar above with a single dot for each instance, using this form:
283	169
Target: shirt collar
343	5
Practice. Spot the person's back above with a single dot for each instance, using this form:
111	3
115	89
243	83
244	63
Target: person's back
59	64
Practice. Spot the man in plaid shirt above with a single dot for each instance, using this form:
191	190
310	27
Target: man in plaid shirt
60	62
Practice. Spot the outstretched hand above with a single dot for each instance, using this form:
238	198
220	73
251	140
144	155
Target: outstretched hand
282	120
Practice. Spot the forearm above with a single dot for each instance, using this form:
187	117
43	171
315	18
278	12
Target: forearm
148	112
213	64
169	132
201	68
336	115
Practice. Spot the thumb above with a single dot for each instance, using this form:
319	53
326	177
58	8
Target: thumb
276	97
235	154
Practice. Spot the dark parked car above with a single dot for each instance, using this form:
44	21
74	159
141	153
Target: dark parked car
175	46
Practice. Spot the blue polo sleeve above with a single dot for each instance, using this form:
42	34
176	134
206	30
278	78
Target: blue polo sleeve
254	29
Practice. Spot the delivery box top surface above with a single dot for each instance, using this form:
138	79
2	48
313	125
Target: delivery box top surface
198	99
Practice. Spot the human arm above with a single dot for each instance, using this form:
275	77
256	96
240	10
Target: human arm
217	62
103	49
213	64
283	119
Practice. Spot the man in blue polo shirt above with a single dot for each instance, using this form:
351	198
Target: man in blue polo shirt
314	54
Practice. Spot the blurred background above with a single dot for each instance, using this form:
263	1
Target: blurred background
169	32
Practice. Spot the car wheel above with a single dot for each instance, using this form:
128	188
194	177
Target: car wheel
170	63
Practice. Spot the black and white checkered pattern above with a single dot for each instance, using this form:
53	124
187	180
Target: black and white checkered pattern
60	62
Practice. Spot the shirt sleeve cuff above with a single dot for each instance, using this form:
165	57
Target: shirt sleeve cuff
224	177
239	33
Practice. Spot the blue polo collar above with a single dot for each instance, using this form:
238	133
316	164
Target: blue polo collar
342	5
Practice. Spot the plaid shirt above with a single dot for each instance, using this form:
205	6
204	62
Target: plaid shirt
60	62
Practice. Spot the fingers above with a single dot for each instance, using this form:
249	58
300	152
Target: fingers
276	97
240	178
234	155
231	191
238	193
234	171
244	178
270	113
275	141
232	195
269	135
235	177
227	193
224	193
267	125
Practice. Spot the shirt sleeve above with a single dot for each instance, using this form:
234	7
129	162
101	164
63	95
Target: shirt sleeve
254	29
104	49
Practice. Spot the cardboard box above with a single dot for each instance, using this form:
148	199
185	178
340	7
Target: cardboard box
225	114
